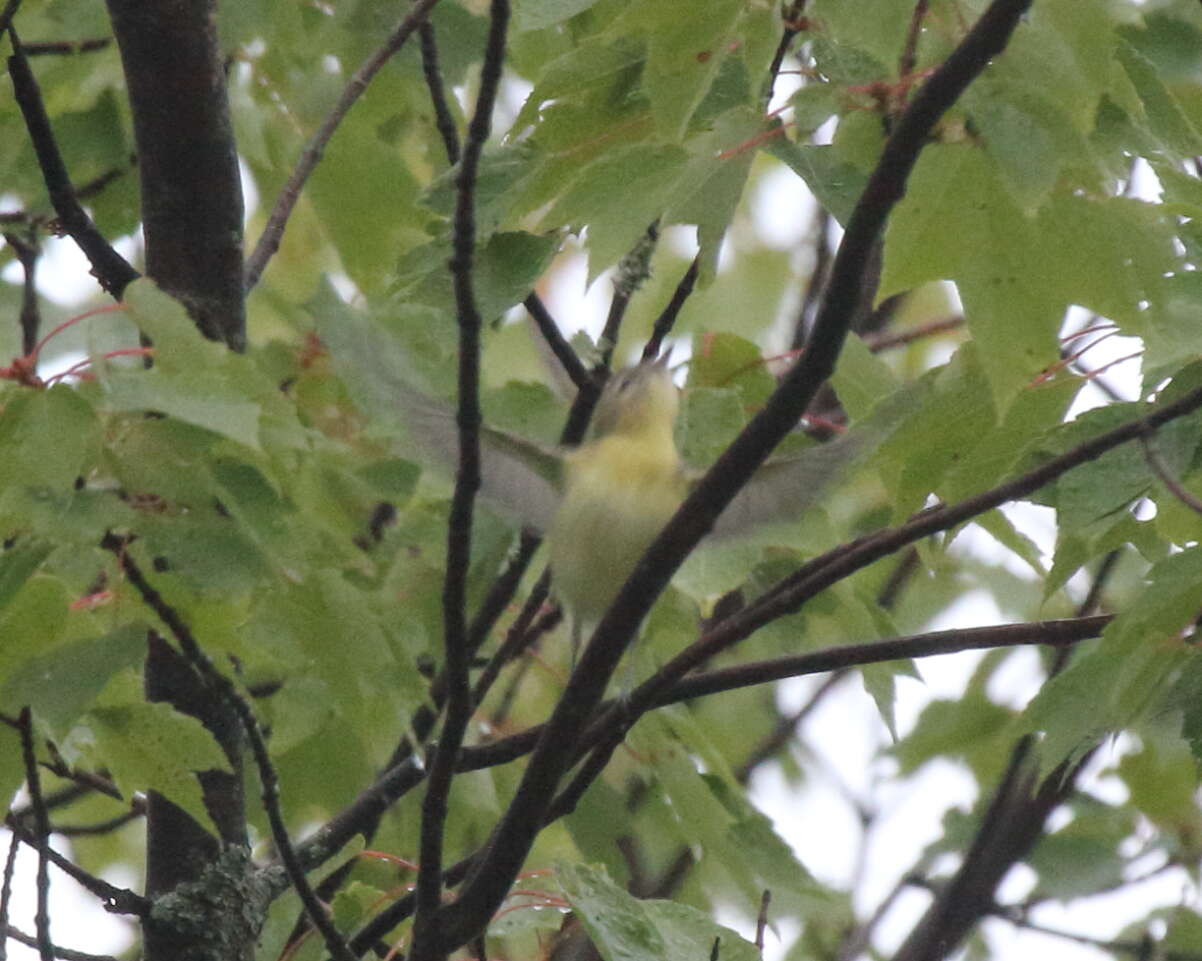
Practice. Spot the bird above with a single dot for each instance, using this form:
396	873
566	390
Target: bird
601	504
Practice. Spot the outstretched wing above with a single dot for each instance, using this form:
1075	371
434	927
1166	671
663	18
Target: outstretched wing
784	488
517	476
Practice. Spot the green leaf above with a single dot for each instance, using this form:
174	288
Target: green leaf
1123	677
683	57
33	622
153	747
618	196
61	684
48	438
626	929
537	14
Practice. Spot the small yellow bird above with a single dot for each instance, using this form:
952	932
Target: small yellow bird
602	503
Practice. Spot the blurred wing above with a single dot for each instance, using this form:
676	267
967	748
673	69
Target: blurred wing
783	489
518	477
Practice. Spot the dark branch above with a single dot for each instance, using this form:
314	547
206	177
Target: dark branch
438	97
41	820
113	899
667	318
66	954
467	483
618	716
187	160
267	775
111	269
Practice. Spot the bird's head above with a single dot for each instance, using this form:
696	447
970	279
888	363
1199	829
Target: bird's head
638	399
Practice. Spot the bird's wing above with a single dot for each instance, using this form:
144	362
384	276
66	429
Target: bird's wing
784	488
519	477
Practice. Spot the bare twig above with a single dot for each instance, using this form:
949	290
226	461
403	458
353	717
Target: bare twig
632	270
41	820
467	483
66	47
267	775
791	15
905	64
65	954
1165	476
7	14
1144	948
113	899
6	885
898	338
667	318
28	251
273	233
557	343
438	97
761	921
109	267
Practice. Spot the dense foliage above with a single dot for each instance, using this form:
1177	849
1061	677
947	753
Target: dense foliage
328	613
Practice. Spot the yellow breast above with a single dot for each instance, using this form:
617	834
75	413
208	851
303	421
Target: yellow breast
619	492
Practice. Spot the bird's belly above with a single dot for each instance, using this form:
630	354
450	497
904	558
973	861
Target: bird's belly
599	534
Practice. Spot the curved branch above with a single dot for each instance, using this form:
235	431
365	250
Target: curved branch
111	269
273	233
616	716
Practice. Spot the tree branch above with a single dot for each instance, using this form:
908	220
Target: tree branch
113	899
467	483
109	268
273	233
66	954
667	318
219	683
41	820
616	716
187	160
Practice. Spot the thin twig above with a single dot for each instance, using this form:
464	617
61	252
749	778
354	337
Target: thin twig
111	269
467	483
41	820
792	20
273	233
1165	476
632	270
557	343
66	954
905	64
7	14
438	96
267	775
113	899
898	338
816	281
66	47
667	318
761	921
28	252
1144	948
6	886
